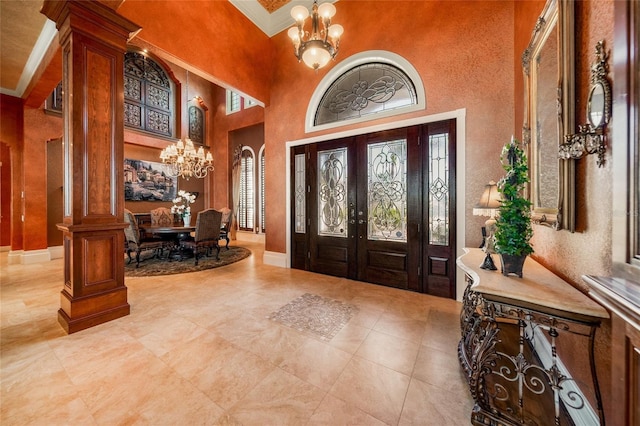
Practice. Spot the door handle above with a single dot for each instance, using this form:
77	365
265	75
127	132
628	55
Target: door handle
352	221
362	221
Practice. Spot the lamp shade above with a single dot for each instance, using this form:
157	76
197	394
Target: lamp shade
335	31
294	34
326	10
315	54
299	13
489	201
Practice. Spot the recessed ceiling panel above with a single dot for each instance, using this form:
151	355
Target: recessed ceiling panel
272	5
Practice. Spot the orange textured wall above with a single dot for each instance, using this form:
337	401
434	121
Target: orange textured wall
223	126
463	52
212	36
39	128
5	195
11	133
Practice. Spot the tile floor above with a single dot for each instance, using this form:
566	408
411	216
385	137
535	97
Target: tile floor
198	348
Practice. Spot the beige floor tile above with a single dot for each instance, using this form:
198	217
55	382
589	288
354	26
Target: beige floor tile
440	369
390	351
333	411
230	374
199	348
317	363
401	326
373	388
428	405
169	333
350	337
275	343
442	331
280	399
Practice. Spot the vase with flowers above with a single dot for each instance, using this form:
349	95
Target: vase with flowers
182	206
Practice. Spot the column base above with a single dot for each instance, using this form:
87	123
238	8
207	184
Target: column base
85	312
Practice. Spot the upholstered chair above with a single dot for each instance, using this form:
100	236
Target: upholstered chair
207	233
161	217
226	224
135	243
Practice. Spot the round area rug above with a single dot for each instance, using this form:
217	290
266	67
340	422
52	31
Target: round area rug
151	266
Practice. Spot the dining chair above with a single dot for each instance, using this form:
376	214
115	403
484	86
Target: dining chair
207	233
226	223
161	216
136	243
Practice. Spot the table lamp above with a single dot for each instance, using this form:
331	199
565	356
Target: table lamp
488	206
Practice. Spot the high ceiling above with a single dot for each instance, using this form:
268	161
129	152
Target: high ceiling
25	34
21	24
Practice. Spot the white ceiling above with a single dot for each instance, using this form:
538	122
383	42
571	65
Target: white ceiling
270	23
25	36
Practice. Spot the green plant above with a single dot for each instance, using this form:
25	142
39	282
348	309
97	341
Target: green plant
513	225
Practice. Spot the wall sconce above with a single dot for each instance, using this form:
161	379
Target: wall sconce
488	205
590	138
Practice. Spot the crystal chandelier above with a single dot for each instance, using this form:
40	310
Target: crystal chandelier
315	49
184	161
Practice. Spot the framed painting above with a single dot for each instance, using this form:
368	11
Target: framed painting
148	181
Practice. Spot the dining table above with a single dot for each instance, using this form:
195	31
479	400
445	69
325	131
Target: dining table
174	235
177	232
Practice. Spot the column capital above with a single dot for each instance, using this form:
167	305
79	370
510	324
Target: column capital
93	17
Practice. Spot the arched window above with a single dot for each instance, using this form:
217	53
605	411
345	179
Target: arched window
148	96
262	192
246	208
366	86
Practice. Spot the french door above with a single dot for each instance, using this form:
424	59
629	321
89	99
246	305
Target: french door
378	208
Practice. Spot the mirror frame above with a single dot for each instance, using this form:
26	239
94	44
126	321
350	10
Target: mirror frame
599	71
560	13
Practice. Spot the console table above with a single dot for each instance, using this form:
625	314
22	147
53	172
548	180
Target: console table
511	330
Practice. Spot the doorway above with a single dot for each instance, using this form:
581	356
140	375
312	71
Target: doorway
378	207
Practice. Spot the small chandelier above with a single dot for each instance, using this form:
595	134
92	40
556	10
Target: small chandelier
184	161
315	49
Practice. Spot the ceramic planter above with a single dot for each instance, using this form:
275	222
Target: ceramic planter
512	264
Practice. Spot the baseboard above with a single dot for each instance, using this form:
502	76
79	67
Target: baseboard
250	237
15	257
275	259
56	252
22	257
4	249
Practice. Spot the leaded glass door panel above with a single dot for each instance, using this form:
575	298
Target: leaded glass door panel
332	195
439	206
299	216
388	243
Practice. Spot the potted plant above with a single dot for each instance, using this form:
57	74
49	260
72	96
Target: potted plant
513	225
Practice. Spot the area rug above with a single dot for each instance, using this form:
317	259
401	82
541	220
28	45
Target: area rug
150	266
319	316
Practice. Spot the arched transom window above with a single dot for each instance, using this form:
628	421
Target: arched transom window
365	86
366	89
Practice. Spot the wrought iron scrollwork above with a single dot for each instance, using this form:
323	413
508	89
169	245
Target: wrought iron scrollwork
503	381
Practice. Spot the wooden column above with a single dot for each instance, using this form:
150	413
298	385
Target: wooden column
93	39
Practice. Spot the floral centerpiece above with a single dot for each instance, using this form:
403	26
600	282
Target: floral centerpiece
182	206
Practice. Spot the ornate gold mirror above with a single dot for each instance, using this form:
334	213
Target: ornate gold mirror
548	65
